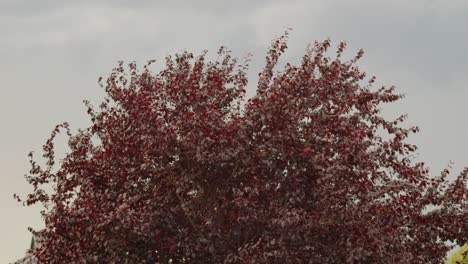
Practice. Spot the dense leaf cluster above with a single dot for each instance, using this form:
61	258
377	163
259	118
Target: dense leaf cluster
174	168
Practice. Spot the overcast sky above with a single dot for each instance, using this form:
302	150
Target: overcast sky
52	53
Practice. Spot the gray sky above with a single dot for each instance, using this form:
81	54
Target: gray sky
52	53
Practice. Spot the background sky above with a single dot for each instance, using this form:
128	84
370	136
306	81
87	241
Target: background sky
52	53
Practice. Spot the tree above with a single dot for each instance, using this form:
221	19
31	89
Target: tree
174	168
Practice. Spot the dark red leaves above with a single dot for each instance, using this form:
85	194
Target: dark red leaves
173	168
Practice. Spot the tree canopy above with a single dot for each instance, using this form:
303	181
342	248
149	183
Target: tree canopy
179	167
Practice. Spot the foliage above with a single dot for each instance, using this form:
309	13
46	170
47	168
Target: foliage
175	167
459	257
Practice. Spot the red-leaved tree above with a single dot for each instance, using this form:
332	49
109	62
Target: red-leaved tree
175	169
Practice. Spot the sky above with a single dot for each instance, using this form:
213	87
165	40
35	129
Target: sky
52	53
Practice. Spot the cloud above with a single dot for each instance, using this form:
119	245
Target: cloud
426	38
